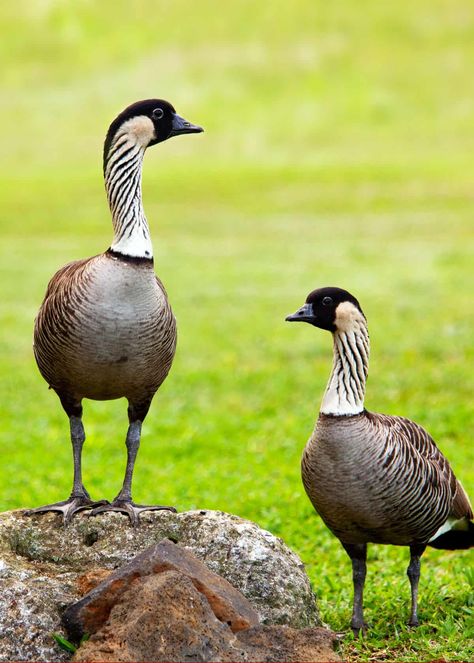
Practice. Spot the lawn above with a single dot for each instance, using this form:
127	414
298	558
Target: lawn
338	151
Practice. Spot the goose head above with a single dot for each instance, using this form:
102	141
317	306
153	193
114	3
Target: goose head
333	309
149	122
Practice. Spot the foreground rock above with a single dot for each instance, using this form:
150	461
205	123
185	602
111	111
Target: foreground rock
228	604
164	617
45	567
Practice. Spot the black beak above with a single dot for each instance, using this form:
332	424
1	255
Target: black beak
303	314
182	126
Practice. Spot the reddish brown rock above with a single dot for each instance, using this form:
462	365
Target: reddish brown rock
227	603
88	581
161	618
273	644
165	618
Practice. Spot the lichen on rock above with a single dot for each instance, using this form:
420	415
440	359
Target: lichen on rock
42	563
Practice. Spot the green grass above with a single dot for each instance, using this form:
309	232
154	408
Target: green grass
338	151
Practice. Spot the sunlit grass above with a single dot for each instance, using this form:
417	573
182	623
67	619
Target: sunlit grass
338	151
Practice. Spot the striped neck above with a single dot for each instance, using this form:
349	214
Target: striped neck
345	391
123	184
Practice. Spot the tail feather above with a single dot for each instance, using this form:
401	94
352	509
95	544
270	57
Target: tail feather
455	539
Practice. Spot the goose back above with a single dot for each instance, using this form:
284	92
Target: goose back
105	330
380	479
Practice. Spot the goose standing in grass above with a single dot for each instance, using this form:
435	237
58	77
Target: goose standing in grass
375	478
105	329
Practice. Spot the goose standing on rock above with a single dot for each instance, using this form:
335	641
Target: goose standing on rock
105	329
375	478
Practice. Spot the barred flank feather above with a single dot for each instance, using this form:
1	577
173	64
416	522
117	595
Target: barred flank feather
381	479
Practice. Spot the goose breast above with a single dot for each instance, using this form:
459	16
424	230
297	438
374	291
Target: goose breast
105	330
376	478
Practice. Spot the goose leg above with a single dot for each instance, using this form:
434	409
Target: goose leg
79	498
123	501
358	554
413	573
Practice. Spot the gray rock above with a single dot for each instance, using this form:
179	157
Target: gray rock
42	565
30	604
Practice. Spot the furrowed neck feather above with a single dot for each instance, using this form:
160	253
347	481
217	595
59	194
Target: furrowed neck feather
123	179
345	391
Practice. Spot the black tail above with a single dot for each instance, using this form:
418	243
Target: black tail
455	539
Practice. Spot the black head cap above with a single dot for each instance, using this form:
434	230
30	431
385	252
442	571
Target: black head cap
166	122
320	307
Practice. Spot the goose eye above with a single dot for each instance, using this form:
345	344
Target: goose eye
157	114
327	301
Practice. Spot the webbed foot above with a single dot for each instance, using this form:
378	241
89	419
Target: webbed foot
67	507
130	509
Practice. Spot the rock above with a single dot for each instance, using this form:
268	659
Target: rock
42	567
164	617
274	644
29	612
228	604
86	582
160	618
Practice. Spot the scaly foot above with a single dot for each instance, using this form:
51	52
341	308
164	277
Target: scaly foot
358	630
130	509
68	507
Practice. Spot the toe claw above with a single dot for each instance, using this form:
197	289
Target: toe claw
129	509
67	507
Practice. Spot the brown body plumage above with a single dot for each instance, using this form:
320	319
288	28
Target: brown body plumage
375	478
105	329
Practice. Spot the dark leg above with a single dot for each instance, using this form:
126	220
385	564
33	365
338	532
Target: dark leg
413	573
358	554
79	498
123	501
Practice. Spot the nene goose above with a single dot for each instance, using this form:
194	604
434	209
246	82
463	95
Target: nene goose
105	329
374	478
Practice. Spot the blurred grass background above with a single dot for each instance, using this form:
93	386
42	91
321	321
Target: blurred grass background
338	151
